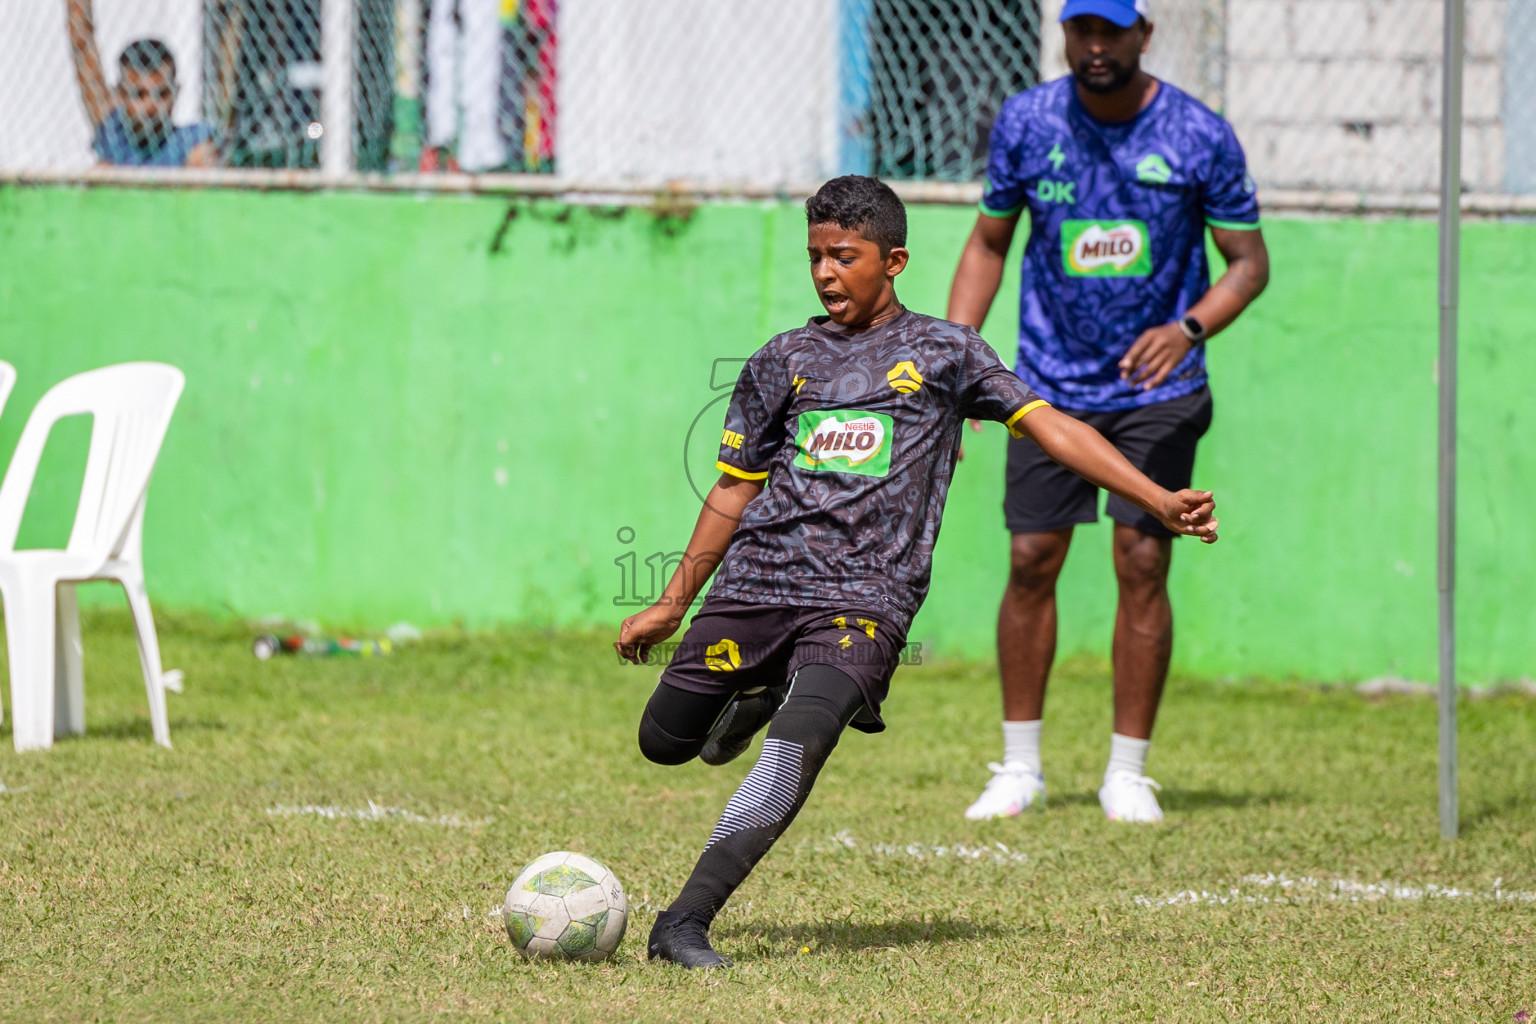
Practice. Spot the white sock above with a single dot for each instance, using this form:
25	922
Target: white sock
1127	754
1021	744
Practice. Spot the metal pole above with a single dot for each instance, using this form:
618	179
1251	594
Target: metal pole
337	20
1450	285
855	153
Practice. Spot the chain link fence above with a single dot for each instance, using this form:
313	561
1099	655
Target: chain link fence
1346	94
938	71
1325	94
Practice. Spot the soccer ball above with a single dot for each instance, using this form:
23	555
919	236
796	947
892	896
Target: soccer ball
566	907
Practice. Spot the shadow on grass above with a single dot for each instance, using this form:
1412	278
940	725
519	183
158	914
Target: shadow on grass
1173	799
137	729
1517	805
786	940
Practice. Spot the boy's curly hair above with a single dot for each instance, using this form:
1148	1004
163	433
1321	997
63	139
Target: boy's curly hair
866	205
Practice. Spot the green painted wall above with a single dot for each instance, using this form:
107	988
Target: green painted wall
442	409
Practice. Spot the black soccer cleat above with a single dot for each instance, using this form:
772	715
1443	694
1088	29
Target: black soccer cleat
738	723
682	937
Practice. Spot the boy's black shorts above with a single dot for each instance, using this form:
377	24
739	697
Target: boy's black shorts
1158	439
731	646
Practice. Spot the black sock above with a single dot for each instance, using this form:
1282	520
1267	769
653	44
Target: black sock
801	736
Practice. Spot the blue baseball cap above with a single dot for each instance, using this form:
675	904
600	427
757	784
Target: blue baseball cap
1122	12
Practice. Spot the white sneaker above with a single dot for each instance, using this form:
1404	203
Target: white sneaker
1014	788
1127	796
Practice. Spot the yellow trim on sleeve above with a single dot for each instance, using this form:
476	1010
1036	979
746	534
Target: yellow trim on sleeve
1031	407
740	473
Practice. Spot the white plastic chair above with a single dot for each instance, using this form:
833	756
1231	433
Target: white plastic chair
131	405
7	381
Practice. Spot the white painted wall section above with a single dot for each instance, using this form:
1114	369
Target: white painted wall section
698	89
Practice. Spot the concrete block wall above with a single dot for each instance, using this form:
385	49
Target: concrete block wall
1345	94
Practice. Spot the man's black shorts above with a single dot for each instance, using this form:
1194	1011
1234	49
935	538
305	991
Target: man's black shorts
1158	439
731	646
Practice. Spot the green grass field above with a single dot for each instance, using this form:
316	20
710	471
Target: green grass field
145	884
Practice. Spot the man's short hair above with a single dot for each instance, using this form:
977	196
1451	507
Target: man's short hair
146	55
863	204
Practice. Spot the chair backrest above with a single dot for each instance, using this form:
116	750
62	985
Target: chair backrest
131	405
7	381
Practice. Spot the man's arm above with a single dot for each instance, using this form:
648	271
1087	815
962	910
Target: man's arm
203	155
718	520
1247	273
981	269
1085	452
1159	350
82	45
229	15
979	274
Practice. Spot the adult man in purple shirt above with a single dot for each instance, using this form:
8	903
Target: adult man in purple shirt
1121	176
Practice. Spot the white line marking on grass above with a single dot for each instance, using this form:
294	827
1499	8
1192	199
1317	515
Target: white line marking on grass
373	812
1395	686
1333	890
13	789
997	853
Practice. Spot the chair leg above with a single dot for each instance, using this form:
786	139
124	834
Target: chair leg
149	659
68	670
29	623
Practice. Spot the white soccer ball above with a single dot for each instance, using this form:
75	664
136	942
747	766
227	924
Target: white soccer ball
566	907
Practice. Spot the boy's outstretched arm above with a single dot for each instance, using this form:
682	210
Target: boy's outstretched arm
1085	452
706	550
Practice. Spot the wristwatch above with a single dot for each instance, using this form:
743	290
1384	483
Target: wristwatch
1193	329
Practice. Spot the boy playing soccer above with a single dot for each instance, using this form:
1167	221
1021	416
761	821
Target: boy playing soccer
836	458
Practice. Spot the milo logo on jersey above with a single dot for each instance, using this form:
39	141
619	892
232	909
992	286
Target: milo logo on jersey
1106	248
845	441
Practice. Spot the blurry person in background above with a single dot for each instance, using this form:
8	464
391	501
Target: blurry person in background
265	81
490	86
1120	176
528	85
463	95
132	124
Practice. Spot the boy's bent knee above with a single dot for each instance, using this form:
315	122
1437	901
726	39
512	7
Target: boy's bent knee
819	705
661	747
688	713
812	727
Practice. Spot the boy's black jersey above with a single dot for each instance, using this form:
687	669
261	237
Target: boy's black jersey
855	437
